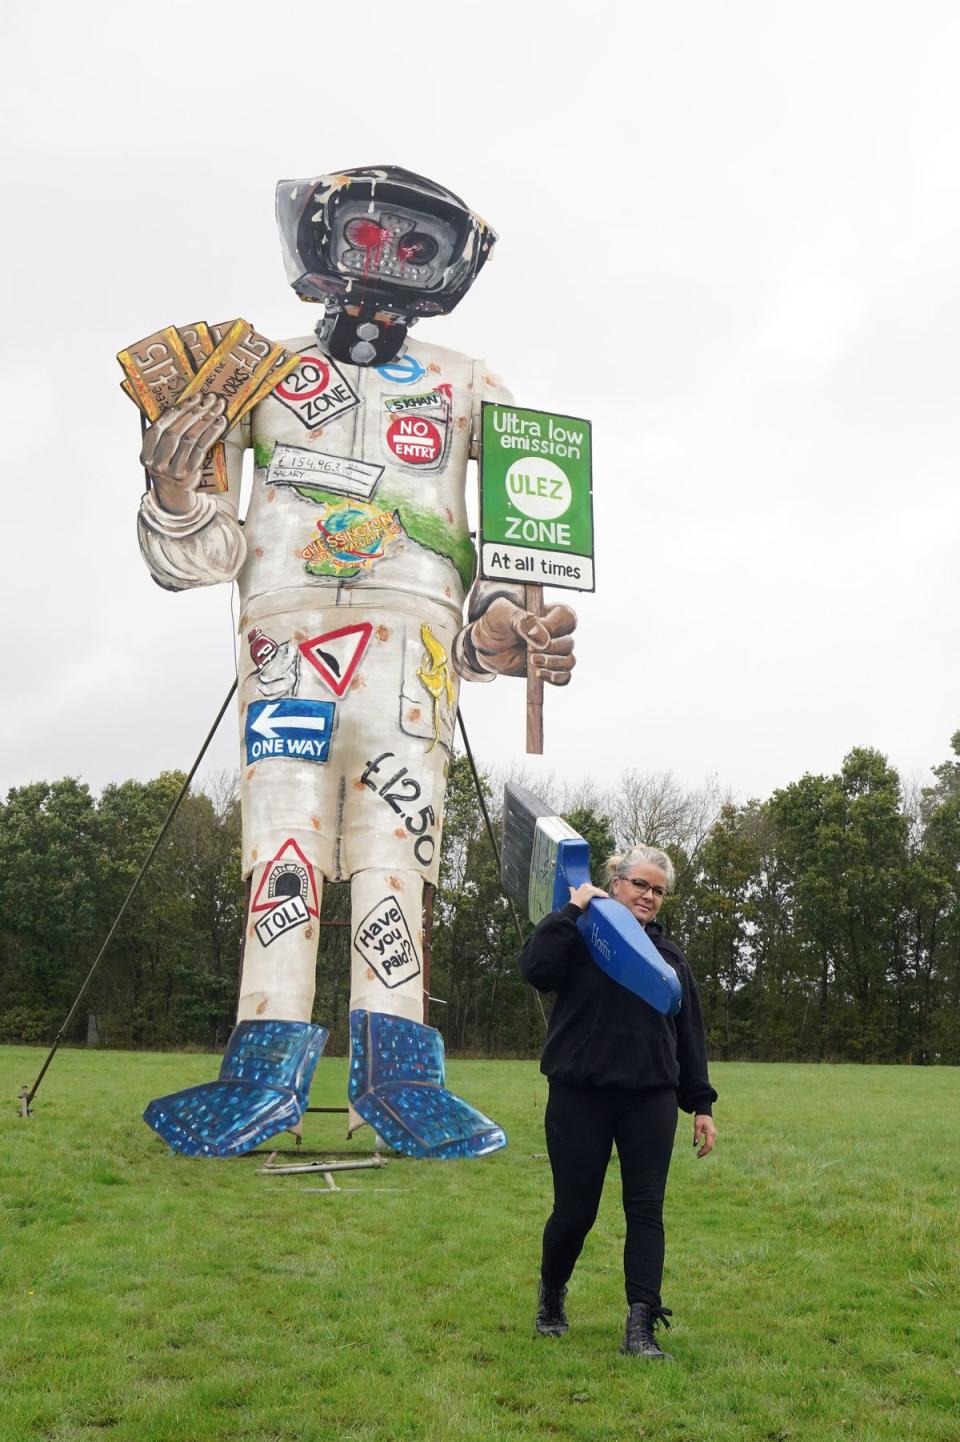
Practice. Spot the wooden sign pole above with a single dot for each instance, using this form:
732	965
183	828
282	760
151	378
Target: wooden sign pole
533	601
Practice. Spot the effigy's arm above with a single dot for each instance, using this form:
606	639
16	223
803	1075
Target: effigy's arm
468	664
189	536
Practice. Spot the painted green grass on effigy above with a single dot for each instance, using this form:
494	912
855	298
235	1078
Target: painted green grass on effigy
812	1268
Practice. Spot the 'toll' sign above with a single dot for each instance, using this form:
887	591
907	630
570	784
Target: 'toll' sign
536	498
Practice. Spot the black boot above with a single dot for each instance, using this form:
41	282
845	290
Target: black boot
639	1340
551	1317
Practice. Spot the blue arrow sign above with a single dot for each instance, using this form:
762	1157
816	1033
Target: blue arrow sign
295	728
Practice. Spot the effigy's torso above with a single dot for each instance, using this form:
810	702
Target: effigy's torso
359	479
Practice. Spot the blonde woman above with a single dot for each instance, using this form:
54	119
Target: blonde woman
618	1070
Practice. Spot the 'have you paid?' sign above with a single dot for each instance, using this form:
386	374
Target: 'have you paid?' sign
536	508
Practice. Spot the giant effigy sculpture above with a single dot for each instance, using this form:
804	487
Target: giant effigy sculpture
354	562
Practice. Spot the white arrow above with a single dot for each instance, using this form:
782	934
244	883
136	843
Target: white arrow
266	722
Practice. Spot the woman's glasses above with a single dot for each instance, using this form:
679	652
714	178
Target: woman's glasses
643	887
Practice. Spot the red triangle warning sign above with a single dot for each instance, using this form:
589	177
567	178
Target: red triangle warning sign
288	874
336	655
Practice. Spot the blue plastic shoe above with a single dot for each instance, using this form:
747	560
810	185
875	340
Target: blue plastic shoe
262	1089
396	1084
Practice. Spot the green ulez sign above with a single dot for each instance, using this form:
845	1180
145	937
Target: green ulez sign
536	507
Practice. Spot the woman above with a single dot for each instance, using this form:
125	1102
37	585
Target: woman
618	1071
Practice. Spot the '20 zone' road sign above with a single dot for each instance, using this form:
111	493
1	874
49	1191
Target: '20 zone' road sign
536	510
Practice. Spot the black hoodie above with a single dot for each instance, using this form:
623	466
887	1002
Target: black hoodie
600	1034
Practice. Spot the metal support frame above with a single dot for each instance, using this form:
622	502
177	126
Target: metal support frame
61	1034
284	1170
496	851
325	1170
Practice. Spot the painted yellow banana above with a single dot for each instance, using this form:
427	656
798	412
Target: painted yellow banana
436	676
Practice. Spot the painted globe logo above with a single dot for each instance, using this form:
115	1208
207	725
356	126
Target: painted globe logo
336	532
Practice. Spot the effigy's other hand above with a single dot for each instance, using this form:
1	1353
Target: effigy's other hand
175	447
509	640
582	895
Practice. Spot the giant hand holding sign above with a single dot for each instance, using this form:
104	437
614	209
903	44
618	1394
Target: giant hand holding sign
353	564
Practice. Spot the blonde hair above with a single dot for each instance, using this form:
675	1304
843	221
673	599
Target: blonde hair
636	856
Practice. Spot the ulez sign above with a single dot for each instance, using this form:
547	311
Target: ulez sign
536	507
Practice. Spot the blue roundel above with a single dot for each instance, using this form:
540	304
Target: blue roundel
403	371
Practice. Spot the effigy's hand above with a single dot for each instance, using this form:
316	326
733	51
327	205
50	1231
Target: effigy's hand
175	447
509	640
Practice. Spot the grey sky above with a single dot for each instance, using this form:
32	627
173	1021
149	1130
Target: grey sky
729	236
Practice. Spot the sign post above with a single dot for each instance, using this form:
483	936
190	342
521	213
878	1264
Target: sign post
536	514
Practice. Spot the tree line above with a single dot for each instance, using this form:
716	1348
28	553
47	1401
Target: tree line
823	923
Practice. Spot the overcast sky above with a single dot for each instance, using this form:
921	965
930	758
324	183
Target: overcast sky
729	237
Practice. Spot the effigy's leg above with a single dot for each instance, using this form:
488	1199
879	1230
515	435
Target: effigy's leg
291	778
288	804
271	1056
391	823
396	1062
386	952
282	936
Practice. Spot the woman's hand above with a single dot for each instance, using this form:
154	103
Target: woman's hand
580	895
704	1131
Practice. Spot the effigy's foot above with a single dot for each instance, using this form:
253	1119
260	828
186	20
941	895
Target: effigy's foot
262	1089
396	1085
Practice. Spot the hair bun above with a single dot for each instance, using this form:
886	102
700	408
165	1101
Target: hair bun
612	865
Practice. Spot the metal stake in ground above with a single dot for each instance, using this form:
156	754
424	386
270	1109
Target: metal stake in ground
496	851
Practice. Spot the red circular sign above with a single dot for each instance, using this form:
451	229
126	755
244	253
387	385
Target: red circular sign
302	381
414	440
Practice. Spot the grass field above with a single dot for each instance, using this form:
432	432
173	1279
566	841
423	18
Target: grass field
812	1267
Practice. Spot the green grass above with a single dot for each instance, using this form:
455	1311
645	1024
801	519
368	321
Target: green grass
812	1267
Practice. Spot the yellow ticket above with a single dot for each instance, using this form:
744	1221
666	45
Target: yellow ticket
159	370
235	370
215	470
219	331
155	368
198	341
200	344
230	360
282	368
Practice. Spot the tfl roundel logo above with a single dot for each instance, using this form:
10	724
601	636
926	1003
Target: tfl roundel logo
404	371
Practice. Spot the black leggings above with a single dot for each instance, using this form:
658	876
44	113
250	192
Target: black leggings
582	1124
